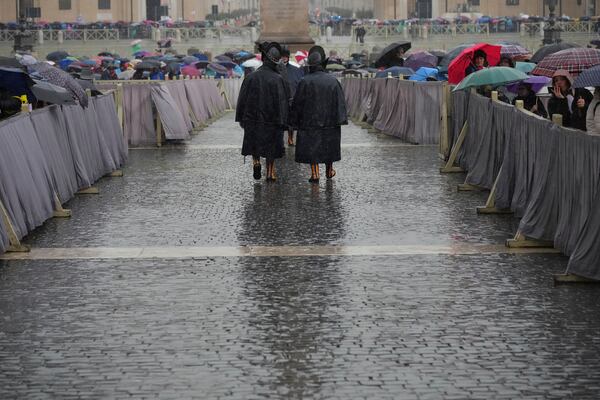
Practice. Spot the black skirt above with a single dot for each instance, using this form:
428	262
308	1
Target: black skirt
318	146
263	141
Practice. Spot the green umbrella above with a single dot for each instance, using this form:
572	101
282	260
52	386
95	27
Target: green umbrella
525	67
494	76
335	67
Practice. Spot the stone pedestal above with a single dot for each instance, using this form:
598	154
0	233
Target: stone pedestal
285	22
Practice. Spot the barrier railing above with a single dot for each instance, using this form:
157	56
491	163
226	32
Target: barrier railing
48	156
535	169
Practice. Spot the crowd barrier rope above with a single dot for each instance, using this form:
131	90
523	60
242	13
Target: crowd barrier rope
412	111
48	156
543	173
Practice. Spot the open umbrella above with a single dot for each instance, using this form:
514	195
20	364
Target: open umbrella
456	69
389	56
424	74
222	58
201	64
227	64
440	54
536	82
147	65
253	63
395	71
525	67
420	59
495	76
588	78
61	78
335	67
217	68
16	81
573	60
50	93
551	49
514	52
452	54
189	60
10	62
56	56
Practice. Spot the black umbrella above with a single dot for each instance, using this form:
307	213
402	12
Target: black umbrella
551	49
452	54
10	62
49	93
218	68
389	56
106	54
56	56
147	65
201	64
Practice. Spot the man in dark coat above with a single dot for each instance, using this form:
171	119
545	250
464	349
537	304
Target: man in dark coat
294	75
319	110
262	111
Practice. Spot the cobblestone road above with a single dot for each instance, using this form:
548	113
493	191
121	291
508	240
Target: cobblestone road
426	326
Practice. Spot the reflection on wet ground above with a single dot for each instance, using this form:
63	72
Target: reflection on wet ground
383	283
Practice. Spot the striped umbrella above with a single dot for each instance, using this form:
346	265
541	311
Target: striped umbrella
588	78
515	52
574	60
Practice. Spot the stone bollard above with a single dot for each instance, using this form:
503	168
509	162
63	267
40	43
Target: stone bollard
253	34
405	32
157	35
425	31
60	37
522	29
542	29
41	36
328	34
178	35
453	29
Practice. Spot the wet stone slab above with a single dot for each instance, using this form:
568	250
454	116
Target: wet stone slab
181	196
423	325
329	327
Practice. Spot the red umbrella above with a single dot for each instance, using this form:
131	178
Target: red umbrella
574	60
456	69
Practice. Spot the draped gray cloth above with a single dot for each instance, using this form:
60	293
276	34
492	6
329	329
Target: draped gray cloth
138	115
171	116
460	112
55	150
52	135
232	88
204	98
25	178
484	143
177	91
408	110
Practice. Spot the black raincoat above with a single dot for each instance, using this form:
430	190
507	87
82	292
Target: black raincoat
319	110
262	111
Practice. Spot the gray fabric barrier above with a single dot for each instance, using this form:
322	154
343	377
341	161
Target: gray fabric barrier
408	110
171	116
459	115
178	92
54	152
547	174
138	121
232	89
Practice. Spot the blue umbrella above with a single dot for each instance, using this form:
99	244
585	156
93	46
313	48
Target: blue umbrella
588	78
395	71
424	73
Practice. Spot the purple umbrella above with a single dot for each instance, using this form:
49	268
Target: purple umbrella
536	82
420	59
218	68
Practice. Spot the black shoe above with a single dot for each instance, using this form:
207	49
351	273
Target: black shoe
314	180
257	171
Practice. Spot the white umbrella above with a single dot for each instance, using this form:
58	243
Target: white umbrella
252	63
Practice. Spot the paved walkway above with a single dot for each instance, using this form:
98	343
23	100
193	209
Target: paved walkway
187	279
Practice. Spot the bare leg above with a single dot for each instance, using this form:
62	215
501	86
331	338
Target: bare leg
256	167
290	137
314	173
329	171
271	170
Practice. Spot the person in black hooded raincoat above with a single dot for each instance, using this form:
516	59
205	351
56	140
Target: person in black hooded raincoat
262	111
318	110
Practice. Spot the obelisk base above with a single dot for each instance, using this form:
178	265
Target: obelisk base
293	43
285	22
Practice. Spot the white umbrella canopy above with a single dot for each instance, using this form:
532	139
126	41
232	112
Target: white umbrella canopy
252	63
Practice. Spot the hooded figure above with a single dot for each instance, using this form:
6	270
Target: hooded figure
262	111
571	103
319	110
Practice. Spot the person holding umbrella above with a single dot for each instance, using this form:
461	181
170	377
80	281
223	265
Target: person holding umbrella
319	110
571	103
478	62
530	101
262	111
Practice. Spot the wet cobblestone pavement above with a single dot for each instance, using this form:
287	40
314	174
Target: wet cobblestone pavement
426	326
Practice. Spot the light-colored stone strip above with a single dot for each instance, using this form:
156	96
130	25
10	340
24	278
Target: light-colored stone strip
182	252
238	147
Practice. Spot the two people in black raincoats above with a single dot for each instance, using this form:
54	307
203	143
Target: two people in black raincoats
318	110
